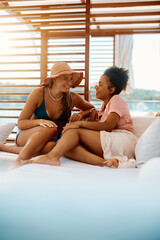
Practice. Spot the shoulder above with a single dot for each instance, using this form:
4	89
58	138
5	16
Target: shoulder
118	105
36	95
116	99
75	97
37	92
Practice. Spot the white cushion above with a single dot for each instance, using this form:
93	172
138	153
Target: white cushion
141	123
148	145
5	130
149	173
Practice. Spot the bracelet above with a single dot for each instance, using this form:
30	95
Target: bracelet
93	109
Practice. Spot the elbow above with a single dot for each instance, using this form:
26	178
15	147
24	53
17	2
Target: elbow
19	124
109	128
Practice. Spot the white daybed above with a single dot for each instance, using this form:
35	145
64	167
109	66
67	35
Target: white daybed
79	201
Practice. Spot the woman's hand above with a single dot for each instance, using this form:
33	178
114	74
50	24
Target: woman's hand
76	117
71	125
46	123
93	115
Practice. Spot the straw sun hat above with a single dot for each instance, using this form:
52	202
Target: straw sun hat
60	68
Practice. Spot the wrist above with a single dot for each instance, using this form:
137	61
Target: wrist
92	109
81	114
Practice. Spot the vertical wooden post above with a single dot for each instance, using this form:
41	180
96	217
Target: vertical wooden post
43	66
87	44
114	50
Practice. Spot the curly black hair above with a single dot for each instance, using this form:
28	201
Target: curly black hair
118	78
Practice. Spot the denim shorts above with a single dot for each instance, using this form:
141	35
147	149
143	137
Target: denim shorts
54	140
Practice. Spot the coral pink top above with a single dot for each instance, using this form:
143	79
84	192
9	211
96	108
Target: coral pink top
118	105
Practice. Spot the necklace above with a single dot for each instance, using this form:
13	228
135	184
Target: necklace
50	94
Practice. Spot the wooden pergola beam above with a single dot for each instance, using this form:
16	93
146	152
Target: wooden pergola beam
47	16
42	7
64	23
106	33
67	23
125	14
125	22
125	4
62	14
87	41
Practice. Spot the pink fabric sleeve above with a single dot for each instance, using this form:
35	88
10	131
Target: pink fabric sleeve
116	105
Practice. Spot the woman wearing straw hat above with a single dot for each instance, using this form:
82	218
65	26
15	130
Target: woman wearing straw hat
110	141
46	111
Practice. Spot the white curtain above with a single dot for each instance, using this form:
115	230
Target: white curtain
123	57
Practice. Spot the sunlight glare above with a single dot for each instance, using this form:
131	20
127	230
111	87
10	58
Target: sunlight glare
4	44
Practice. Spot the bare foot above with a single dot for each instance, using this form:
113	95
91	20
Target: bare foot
43	159
15	165
113	162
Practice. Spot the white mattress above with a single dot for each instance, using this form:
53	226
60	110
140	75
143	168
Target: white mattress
77	201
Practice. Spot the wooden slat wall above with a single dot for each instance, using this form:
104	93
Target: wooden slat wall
53	31
33	52
102	57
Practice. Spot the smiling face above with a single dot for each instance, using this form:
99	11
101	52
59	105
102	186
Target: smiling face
63	82
104	89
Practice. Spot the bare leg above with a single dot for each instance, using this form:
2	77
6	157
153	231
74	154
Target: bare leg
22	138
10	148
90	153
36	143
48	147
79	153
88	138
17	149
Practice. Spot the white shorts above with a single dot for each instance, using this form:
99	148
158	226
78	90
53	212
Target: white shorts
119	144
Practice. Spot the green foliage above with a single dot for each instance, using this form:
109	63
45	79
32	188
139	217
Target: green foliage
142	94
138	94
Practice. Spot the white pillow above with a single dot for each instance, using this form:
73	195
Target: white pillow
148	145
141	123
149	173
5	130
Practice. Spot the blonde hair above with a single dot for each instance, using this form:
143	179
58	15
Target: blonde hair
66	100
67	103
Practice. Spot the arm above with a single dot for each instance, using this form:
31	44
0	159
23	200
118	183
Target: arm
108	125
24	120
80	103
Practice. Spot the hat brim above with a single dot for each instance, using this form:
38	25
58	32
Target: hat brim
77	77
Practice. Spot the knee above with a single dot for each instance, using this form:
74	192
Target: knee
45	134
48	132
72	131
